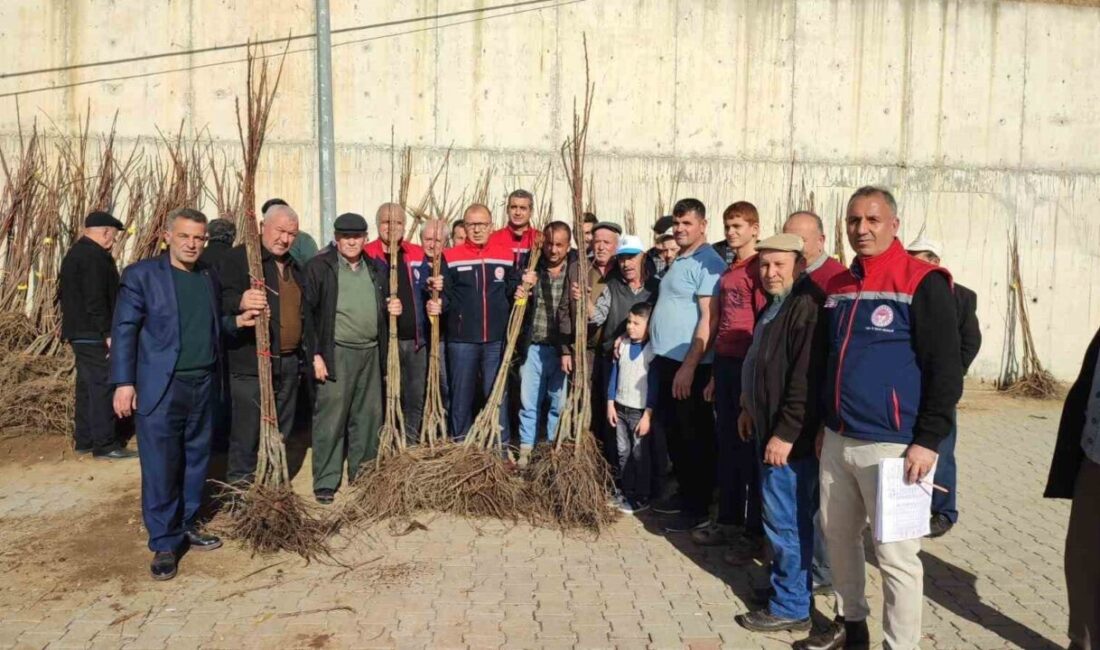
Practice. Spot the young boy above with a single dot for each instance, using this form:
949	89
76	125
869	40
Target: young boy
631	394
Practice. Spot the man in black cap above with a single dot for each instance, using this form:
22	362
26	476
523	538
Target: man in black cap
87	287
346	299
290	327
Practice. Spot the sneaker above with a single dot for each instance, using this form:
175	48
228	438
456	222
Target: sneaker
631	506
686	522
324	497
670	505
762	620
715	534
524	456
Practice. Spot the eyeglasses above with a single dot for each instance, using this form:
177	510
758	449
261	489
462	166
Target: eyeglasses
476	226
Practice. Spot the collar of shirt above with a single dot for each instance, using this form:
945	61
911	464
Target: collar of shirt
346	264
818	263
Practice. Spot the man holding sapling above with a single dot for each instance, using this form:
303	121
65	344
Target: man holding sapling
284	286
547	342
413	271
347	300
87	289
480	282
166	336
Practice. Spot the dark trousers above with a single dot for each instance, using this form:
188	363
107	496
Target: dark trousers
635	462
1082	559
739	464
790	502
946	471
95	415
600	365
174	449
414	372
689	427
473	368
244	436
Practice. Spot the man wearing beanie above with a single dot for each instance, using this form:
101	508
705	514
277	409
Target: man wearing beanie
87	287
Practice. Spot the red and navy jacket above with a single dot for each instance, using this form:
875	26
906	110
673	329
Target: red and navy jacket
418	269
479	284
894	372
520	246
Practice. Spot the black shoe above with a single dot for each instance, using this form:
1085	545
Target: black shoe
762	621
116	454
82	451
163	566
840	635
324	497
939	525
201	541
686	523
670	505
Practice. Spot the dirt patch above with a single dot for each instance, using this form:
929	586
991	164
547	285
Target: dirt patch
29	449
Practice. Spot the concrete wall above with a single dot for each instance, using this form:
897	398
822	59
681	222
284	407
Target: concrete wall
983	115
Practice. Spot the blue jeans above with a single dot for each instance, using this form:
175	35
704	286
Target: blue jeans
738	460
790	502
540	377
466	363
946	504
174	449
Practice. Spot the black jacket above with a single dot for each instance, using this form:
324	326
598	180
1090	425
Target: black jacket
970	333
1068	453
322	281
561	321
87	287
622	300
215	253
790	369
233	275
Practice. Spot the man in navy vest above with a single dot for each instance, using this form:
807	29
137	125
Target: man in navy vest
165	349
893	378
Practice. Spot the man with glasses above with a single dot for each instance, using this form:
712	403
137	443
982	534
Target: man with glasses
480	282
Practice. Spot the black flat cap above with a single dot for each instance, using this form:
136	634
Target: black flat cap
98	219
663	224
350	222
607	225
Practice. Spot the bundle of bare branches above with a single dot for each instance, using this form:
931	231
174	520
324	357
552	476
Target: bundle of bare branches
267	515
1024	377
570	480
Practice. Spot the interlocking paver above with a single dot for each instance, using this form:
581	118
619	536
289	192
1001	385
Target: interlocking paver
995	581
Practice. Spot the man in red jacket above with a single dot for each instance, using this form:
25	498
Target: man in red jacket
480	282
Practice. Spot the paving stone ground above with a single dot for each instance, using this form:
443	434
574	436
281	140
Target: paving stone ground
73	570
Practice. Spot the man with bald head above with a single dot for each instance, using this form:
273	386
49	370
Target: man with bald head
412	323
290	325
820	266
480	282
893	378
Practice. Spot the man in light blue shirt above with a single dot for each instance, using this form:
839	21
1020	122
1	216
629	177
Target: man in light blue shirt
682	329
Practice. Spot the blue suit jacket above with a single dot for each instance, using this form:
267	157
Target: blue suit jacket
145	332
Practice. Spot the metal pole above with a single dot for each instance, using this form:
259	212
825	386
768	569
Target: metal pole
325	140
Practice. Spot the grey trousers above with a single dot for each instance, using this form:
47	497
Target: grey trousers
1083	559
347	416
414	373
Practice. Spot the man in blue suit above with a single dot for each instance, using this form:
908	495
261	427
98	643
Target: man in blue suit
166	338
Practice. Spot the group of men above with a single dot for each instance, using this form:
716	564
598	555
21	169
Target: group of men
761	367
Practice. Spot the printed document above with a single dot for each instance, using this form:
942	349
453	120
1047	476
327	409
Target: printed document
902	510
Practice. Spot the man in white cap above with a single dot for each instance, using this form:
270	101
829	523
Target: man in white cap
945	512
780	406
626	287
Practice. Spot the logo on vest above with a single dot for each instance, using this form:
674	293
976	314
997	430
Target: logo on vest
499	273
882	316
